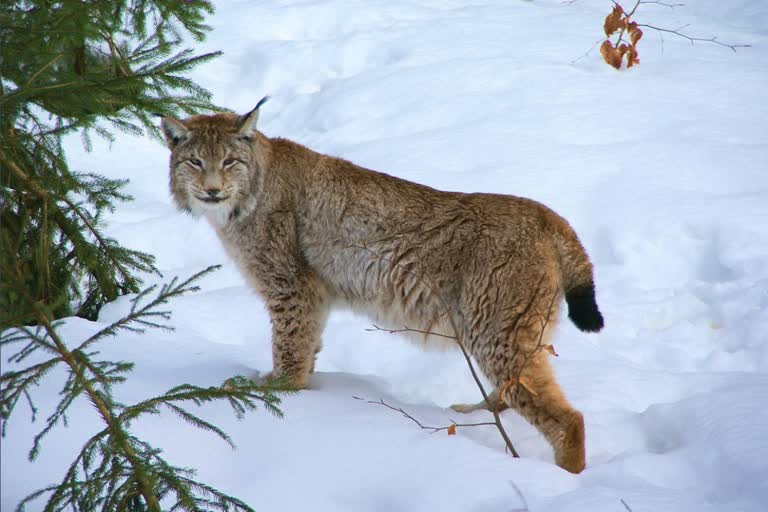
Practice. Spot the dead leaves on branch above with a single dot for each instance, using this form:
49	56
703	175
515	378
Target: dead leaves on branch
614	21
621	51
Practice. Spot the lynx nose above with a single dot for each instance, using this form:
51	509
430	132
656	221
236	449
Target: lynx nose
213	192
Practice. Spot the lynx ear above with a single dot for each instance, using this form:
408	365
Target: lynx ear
250	119
174	131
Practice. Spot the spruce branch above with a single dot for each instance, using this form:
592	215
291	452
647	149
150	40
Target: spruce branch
89	67
115	470
144	480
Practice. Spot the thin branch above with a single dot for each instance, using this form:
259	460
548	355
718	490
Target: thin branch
577	59
494	410
694	40
104	246
50	63
408	329
521	496
676	32
453	424
664	4
544	321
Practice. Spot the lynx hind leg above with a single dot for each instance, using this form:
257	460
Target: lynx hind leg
540	400
494	402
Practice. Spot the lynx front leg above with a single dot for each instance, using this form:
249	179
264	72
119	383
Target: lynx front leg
298	318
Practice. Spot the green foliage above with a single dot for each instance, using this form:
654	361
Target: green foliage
115	470
80	66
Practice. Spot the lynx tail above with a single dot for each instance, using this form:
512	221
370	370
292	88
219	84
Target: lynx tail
582	308
578	280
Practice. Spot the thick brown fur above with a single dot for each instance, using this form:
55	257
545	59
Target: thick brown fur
310	231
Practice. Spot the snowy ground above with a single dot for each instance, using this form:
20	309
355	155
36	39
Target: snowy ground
662	170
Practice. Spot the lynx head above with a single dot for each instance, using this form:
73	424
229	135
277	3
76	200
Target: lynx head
216	163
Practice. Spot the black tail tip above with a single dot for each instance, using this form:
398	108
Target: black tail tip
582	308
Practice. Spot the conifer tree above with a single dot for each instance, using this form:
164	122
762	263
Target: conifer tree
116	470
86	66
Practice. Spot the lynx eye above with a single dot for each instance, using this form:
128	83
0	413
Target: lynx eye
195	162
228	161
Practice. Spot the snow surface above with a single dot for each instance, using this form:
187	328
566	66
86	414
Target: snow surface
662	170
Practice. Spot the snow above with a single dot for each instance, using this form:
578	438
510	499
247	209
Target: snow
661	170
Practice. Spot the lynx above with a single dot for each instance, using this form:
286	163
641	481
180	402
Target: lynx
311	231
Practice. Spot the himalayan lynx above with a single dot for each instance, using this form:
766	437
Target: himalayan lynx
311	231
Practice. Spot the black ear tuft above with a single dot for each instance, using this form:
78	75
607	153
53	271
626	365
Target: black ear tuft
244	117
262	101
248	121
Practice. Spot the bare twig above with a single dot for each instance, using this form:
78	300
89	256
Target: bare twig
694	40
492	408
664	4
625	505
522	498
577	59
407	329
676	31
381	401
544	322
614	51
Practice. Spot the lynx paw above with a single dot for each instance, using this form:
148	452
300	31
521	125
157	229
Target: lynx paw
570	455
493	400
467	408
274	379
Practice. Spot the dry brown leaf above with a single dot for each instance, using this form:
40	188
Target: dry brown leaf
451	430
622	49
551	350
514	381
634	33
632	57
610	54
614	21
